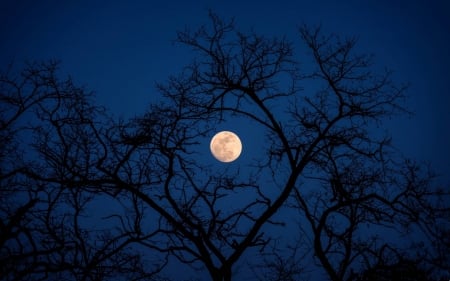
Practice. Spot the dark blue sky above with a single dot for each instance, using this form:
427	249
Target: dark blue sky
119	49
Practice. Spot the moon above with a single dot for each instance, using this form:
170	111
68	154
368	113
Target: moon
226	146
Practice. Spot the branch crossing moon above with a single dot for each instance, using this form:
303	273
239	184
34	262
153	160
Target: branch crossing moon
226	146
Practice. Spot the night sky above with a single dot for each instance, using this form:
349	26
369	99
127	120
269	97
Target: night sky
121	49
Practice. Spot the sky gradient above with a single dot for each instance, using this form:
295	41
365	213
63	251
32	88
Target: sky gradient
121	49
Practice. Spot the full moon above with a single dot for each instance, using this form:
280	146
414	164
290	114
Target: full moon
226	146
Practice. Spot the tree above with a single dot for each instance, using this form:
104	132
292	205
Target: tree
46	231
323	159
373	191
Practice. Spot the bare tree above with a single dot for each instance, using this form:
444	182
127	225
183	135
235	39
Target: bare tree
326	140
324	159
366	199
50	144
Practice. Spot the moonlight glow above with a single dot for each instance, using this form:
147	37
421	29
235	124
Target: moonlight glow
226	146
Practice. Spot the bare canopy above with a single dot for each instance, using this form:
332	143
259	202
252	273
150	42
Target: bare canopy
324	161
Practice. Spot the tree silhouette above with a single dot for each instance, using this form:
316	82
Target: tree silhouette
325	163
47	230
